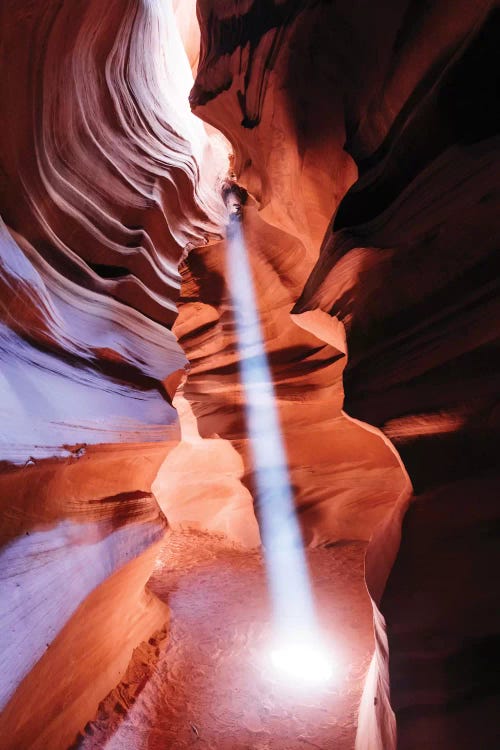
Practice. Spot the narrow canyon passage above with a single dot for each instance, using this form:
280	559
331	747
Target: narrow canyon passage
160	388
209	684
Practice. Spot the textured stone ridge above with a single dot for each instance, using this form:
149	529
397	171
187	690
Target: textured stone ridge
106	182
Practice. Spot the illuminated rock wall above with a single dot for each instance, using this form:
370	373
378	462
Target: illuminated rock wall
344	478
106	181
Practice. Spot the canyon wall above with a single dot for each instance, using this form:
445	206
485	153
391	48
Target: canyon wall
410	267
344	478
368	139
387	118
106	182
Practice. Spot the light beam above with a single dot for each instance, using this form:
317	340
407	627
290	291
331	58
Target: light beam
297	652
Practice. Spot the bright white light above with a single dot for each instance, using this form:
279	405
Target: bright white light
298	654
303	663
280	531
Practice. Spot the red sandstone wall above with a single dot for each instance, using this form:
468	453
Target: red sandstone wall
344	478
101	195
408	266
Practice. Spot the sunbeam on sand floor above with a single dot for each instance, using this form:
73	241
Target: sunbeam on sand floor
209	683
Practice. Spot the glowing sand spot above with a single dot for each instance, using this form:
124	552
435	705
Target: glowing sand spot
303	662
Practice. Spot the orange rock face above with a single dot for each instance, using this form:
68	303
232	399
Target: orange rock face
408	266
344	477
101	195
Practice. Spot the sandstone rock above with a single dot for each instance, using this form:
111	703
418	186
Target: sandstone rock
101	196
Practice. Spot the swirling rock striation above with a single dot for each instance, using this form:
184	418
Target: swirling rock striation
106	182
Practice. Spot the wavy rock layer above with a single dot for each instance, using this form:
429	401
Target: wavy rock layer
106	182
408	266
344	478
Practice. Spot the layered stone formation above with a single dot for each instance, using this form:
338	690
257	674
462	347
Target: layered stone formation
344	478
106	181
368	139
408	267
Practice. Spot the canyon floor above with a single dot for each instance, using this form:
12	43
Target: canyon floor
205	681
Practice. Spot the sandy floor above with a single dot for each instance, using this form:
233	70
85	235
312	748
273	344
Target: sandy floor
205	682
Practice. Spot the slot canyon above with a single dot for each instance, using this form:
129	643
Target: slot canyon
250	374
